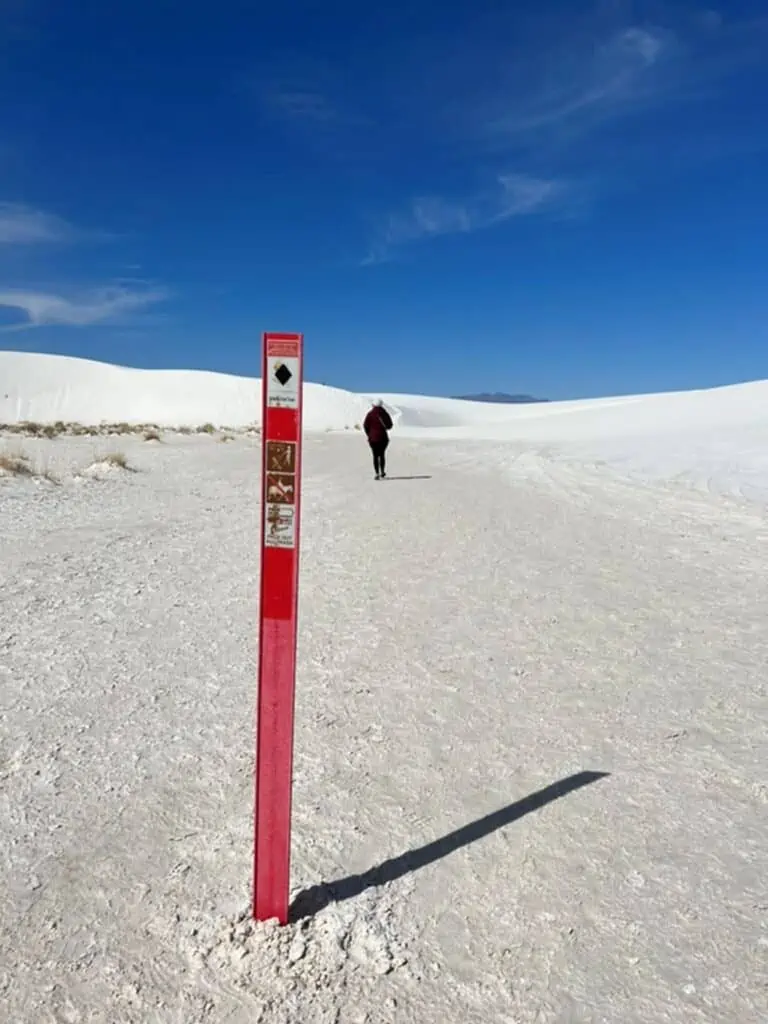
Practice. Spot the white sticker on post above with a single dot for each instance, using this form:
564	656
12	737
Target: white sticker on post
282	382
280	525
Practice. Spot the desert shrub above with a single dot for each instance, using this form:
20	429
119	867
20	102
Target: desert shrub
15	465
117	459
25	427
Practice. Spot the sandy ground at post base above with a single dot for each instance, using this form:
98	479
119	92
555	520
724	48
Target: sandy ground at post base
531	744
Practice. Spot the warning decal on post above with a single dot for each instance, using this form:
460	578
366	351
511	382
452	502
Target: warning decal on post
280	345
280	525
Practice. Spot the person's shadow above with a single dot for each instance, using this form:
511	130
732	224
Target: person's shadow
407	478
311	901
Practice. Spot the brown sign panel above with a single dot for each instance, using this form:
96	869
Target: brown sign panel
281	488
281	457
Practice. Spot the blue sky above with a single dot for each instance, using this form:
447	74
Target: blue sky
560	198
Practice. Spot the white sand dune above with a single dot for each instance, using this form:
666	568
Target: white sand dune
737	405
531	712
45	388
531	741
716	439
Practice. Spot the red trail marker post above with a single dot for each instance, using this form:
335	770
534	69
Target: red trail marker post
282	378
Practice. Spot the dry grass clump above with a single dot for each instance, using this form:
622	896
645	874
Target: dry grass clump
149	431
107	462
15	465
19	465
112	462
116	459
26	428
60	428
29	428
49	430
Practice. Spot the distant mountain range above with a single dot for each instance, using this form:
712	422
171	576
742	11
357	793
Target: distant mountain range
500	397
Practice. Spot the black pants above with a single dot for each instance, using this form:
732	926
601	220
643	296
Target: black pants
379	462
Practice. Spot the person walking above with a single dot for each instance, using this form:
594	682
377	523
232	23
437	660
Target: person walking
376	426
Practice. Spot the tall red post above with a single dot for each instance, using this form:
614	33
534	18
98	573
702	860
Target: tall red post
282	393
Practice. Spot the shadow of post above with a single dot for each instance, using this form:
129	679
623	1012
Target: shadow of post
311	901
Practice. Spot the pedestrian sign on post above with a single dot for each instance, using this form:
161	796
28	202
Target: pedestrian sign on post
282	376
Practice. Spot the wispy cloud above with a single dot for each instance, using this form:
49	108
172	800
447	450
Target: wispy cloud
99	306
504	88
583	87
515	195
570	89
24	225
304	104
312	99
532	101
310	92
21	224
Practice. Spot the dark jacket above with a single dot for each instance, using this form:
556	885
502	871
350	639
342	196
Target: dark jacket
376	424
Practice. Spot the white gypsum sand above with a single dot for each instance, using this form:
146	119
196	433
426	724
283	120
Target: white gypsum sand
45	388
490	630
712	440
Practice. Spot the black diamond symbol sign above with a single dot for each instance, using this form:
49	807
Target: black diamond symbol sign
283	374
